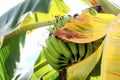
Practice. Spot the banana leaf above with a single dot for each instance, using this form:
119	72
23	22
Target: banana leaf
19	10
10	51
111	58
25	16
95	74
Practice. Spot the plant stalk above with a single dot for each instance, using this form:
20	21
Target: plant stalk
30	27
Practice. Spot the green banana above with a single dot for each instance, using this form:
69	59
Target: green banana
65	51
50	57
72	61
95	47
89	49
73	48
57	67
55	63
109	7
98	42
52	49
54	42
81	50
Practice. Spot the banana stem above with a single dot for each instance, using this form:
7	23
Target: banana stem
75	58
30	27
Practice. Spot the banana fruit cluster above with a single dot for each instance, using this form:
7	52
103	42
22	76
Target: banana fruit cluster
61	55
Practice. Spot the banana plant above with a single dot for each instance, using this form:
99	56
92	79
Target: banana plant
29	15
79	70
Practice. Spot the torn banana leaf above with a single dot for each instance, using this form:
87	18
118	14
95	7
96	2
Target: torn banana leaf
81	70
111	58
85	28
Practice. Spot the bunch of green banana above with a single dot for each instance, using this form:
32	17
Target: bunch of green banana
60	54
57	53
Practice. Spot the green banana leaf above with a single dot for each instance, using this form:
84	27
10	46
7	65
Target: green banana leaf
19	10
25	16
10	51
